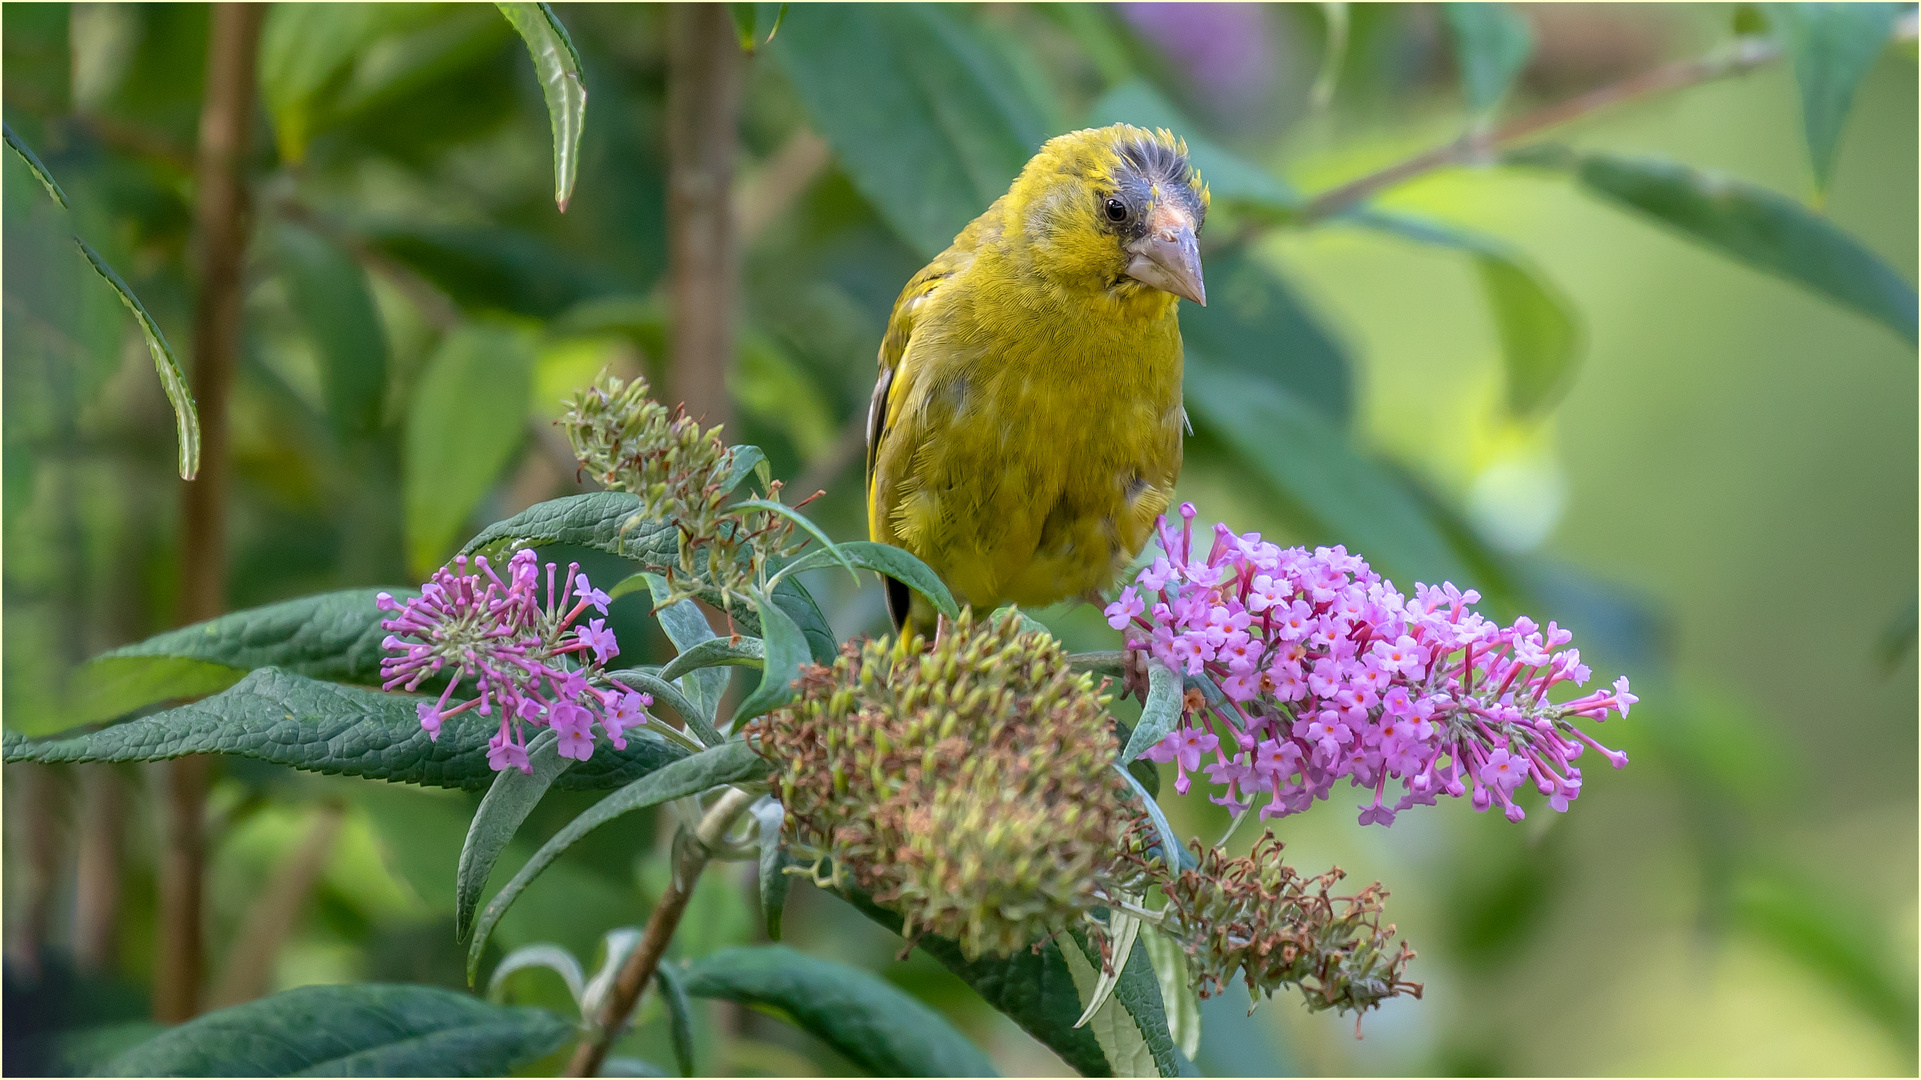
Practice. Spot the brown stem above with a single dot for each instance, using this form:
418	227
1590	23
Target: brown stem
639	969
96	917
703	106
1744	55
220	226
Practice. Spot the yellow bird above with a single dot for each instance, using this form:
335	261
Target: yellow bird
1026	428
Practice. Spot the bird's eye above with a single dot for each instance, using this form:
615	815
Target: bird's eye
1116	210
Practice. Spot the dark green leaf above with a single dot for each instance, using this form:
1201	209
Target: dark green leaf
1033	989
756	24
304	48
609	521
716	652
469	415
1832	48
186	421
1539	339
558	65
729	763
329	292
332	636
680	1015
1229	178
1160	713
1492	43
1139	1035
742	460
1253	323
786	651
686	626
900	565
487	269
1767	231
666	693
806	524
773	862
39	170
364	1029
865	1019
1171	847
512	797
915	110
276	716
1342	496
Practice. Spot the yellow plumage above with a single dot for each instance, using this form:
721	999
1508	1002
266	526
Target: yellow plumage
1026	428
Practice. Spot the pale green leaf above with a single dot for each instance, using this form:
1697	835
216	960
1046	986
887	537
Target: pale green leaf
509	800
558	65
468	417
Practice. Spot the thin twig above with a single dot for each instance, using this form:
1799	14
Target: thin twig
639	969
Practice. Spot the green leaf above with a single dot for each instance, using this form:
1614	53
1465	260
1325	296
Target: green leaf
539	955
1229	177
1172	849
742	460
826	542
1492	43
1832	47
1035	989
1816	927
865	1019
186	421
333	636
610	521
1159	714
1539	338
558	65
716	652
1178	997
1342	496
769	816
786	652
756	24
680	1015
666	693
729	763
509	800
1767	231
287	719
1338	25
469	415
1254	323
900	565
490	268
1130	1026
687	627
34	165
915	109
363	1029
1895	643
303	49
329	292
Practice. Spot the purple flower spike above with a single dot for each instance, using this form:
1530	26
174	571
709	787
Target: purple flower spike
1331	673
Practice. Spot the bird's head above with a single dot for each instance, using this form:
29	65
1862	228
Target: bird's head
1114	208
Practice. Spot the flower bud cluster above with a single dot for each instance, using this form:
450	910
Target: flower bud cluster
1257	916
532	662
682	474
967	784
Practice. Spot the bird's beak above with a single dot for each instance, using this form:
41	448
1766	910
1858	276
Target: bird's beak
1169	257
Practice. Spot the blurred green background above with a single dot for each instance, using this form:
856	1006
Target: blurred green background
1722	505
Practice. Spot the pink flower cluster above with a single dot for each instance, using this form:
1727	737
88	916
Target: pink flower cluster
531	662
1326	671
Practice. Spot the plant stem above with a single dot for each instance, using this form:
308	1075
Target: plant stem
220	226
639	969
703	109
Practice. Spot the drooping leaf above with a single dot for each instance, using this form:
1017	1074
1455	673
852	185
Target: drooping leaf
728	763
1229	177
786	651
1832	47
1171	847
1539	338
186	420
512	796
539	955
329	292
363	1029
1325	482
912	105
303	49
1254	323
1767	231
756	24
774	860
686	626
887	559
469	415
1178	997
1122	1038
1338	20
864	1018
716	652
34	165
668	694
558	65
287	719
1159	714
680	1015
827	545
1035	989
1492	43
609	521
332	636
